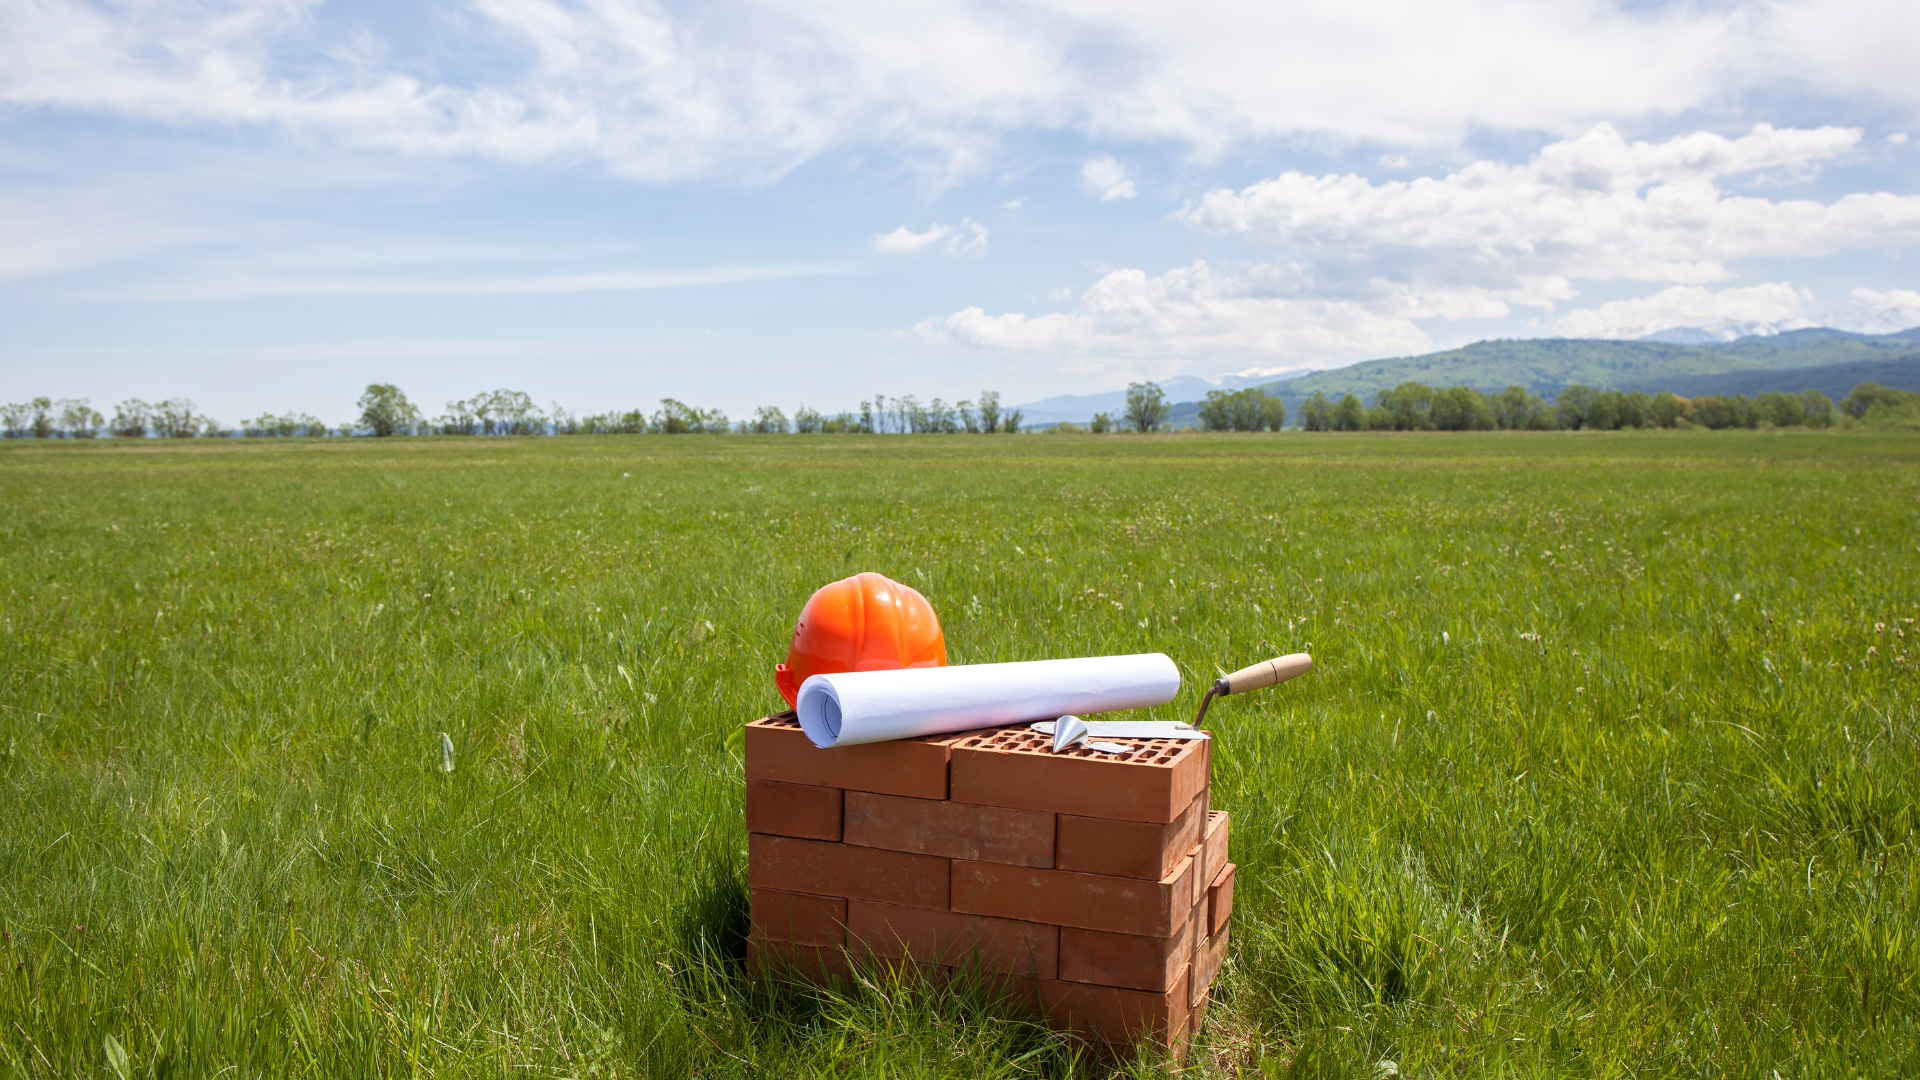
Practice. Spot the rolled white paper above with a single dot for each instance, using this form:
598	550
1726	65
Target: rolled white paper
853	707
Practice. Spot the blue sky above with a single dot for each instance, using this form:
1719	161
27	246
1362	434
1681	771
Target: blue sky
264	206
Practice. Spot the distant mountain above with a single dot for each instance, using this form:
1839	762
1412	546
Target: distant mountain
1079	408
1546	366
1721	332
1688	335
1834	381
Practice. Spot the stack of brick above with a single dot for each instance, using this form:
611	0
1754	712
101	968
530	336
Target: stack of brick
1097	885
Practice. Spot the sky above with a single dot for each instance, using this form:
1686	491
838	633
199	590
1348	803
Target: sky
265	205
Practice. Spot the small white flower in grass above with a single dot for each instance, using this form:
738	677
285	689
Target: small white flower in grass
1444	639
1736	598
446	753
1431	716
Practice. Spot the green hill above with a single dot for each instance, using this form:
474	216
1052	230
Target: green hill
1546	366
1834	381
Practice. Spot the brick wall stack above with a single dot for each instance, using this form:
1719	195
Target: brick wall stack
1097	885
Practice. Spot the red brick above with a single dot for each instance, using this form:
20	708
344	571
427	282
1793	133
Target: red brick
776	749
1154	781
1138	849
1206	965
811	866
805	810
811	963
1196	928
1089	901
1119	1016
1139	963
955	940
799	918
952	830
1220	899
1213	841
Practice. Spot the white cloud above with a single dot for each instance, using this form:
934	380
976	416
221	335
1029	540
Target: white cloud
1727	313
230	287
1106	178
1014	204
1364	262
51	232
660	94
1769	308
1898	138
1131	322
1880	312
1595	207
967	238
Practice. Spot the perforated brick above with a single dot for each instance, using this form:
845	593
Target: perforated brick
799	918
1206	964
1153	781
776	749
1116	1015
804	810
1089	901
1140	849
1197	1014
953	830
823	869
1213	843
953	939
1220	899
814	963
1127	960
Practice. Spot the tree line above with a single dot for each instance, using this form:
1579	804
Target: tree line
1414	406
385	410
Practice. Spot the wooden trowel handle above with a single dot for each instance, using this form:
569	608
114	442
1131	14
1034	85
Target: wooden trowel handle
1268	672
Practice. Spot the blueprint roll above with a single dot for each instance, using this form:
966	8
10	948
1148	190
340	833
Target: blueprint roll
854	707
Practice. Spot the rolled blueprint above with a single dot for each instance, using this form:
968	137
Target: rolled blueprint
854	707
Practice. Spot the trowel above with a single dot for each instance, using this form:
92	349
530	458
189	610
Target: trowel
1069	731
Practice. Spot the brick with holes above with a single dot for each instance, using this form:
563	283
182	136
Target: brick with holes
811	866
954	830
1141	849
1127	960
1206	964
1213	846
1154	781
799	918
804	810
951	939
1089	901
776	749
1220	899
1117	1015
813	963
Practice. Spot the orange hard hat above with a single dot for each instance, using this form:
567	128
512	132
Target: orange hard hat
867	622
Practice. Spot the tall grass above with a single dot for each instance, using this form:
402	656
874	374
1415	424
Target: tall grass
1608	766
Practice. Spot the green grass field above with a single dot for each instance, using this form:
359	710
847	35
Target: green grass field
1608	768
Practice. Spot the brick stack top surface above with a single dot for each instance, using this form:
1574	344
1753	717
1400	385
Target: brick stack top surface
1013	767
